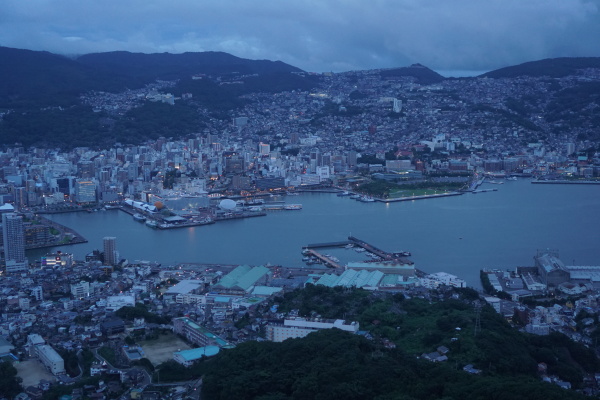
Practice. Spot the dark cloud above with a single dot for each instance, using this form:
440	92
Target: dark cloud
324	35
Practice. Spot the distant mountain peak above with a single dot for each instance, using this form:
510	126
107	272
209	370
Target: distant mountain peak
552	67
421	73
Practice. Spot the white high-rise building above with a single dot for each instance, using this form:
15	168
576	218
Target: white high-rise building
38	293
14	243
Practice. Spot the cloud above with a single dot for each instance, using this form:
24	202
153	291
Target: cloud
315	35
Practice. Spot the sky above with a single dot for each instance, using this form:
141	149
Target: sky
453	37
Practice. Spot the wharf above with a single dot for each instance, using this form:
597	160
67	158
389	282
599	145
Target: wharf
184	224
325	245
318	190
484	190
239	216
567	182
427	196
273	206
66	232
378	252
325	260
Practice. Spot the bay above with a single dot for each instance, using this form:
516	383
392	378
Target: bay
458	235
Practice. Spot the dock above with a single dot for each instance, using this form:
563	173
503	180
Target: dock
423	197
325	245
484	190
325	260
386	256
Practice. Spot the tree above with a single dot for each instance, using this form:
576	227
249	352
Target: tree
9	383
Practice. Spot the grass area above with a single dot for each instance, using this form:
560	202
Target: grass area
108	354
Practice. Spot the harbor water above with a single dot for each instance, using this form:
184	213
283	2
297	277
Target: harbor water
460	235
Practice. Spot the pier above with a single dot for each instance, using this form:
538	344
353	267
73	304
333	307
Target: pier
325	245
378	252
484	190
325	260
425	196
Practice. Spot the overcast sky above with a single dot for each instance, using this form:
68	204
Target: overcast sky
315	35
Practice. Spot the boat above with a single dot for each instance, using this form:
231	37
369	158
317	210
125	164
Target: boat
139	217
292	193
511	178
292	207
367	199
152	223
343	194
402	253
355	196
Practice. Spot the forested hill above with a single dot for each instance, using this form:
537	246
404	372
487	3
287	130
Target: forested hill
552	67
38	78
388	358
177	66
34	79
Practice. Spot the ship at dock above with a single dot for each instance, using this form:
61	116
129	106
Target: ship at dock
139	217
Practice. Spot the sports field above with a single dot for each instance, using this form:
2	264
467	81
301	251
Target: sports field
161	349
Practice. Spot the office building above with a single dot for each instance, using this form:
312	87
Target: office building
85	190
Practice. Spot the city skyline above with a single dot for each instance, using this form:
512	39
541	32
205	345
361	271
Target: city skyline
461	38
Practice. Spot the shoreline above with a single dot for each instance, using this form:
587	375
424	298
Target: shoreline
566	182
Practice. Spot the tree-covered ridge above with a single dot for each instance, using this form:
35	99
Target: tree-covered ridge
553	67
418	326
168	66
333	364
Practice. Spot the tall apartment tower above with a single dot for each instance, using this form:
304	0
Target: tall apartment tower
14	242
111	256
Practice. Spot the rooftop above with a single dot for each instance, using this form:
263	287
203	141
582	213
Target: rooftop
194	354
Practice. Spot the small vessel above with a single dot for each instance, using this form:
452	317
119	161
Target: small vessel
511	178
355	196
292	207
152	223
343	194
402	254
139	217
367	199
254	202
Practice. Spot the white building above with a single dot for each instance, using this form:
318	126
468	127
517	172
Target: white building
432	281
38	293
300	327
80	290
51	359
113	303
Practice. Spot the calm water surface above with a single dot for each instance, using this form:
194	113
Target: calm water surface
459	235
